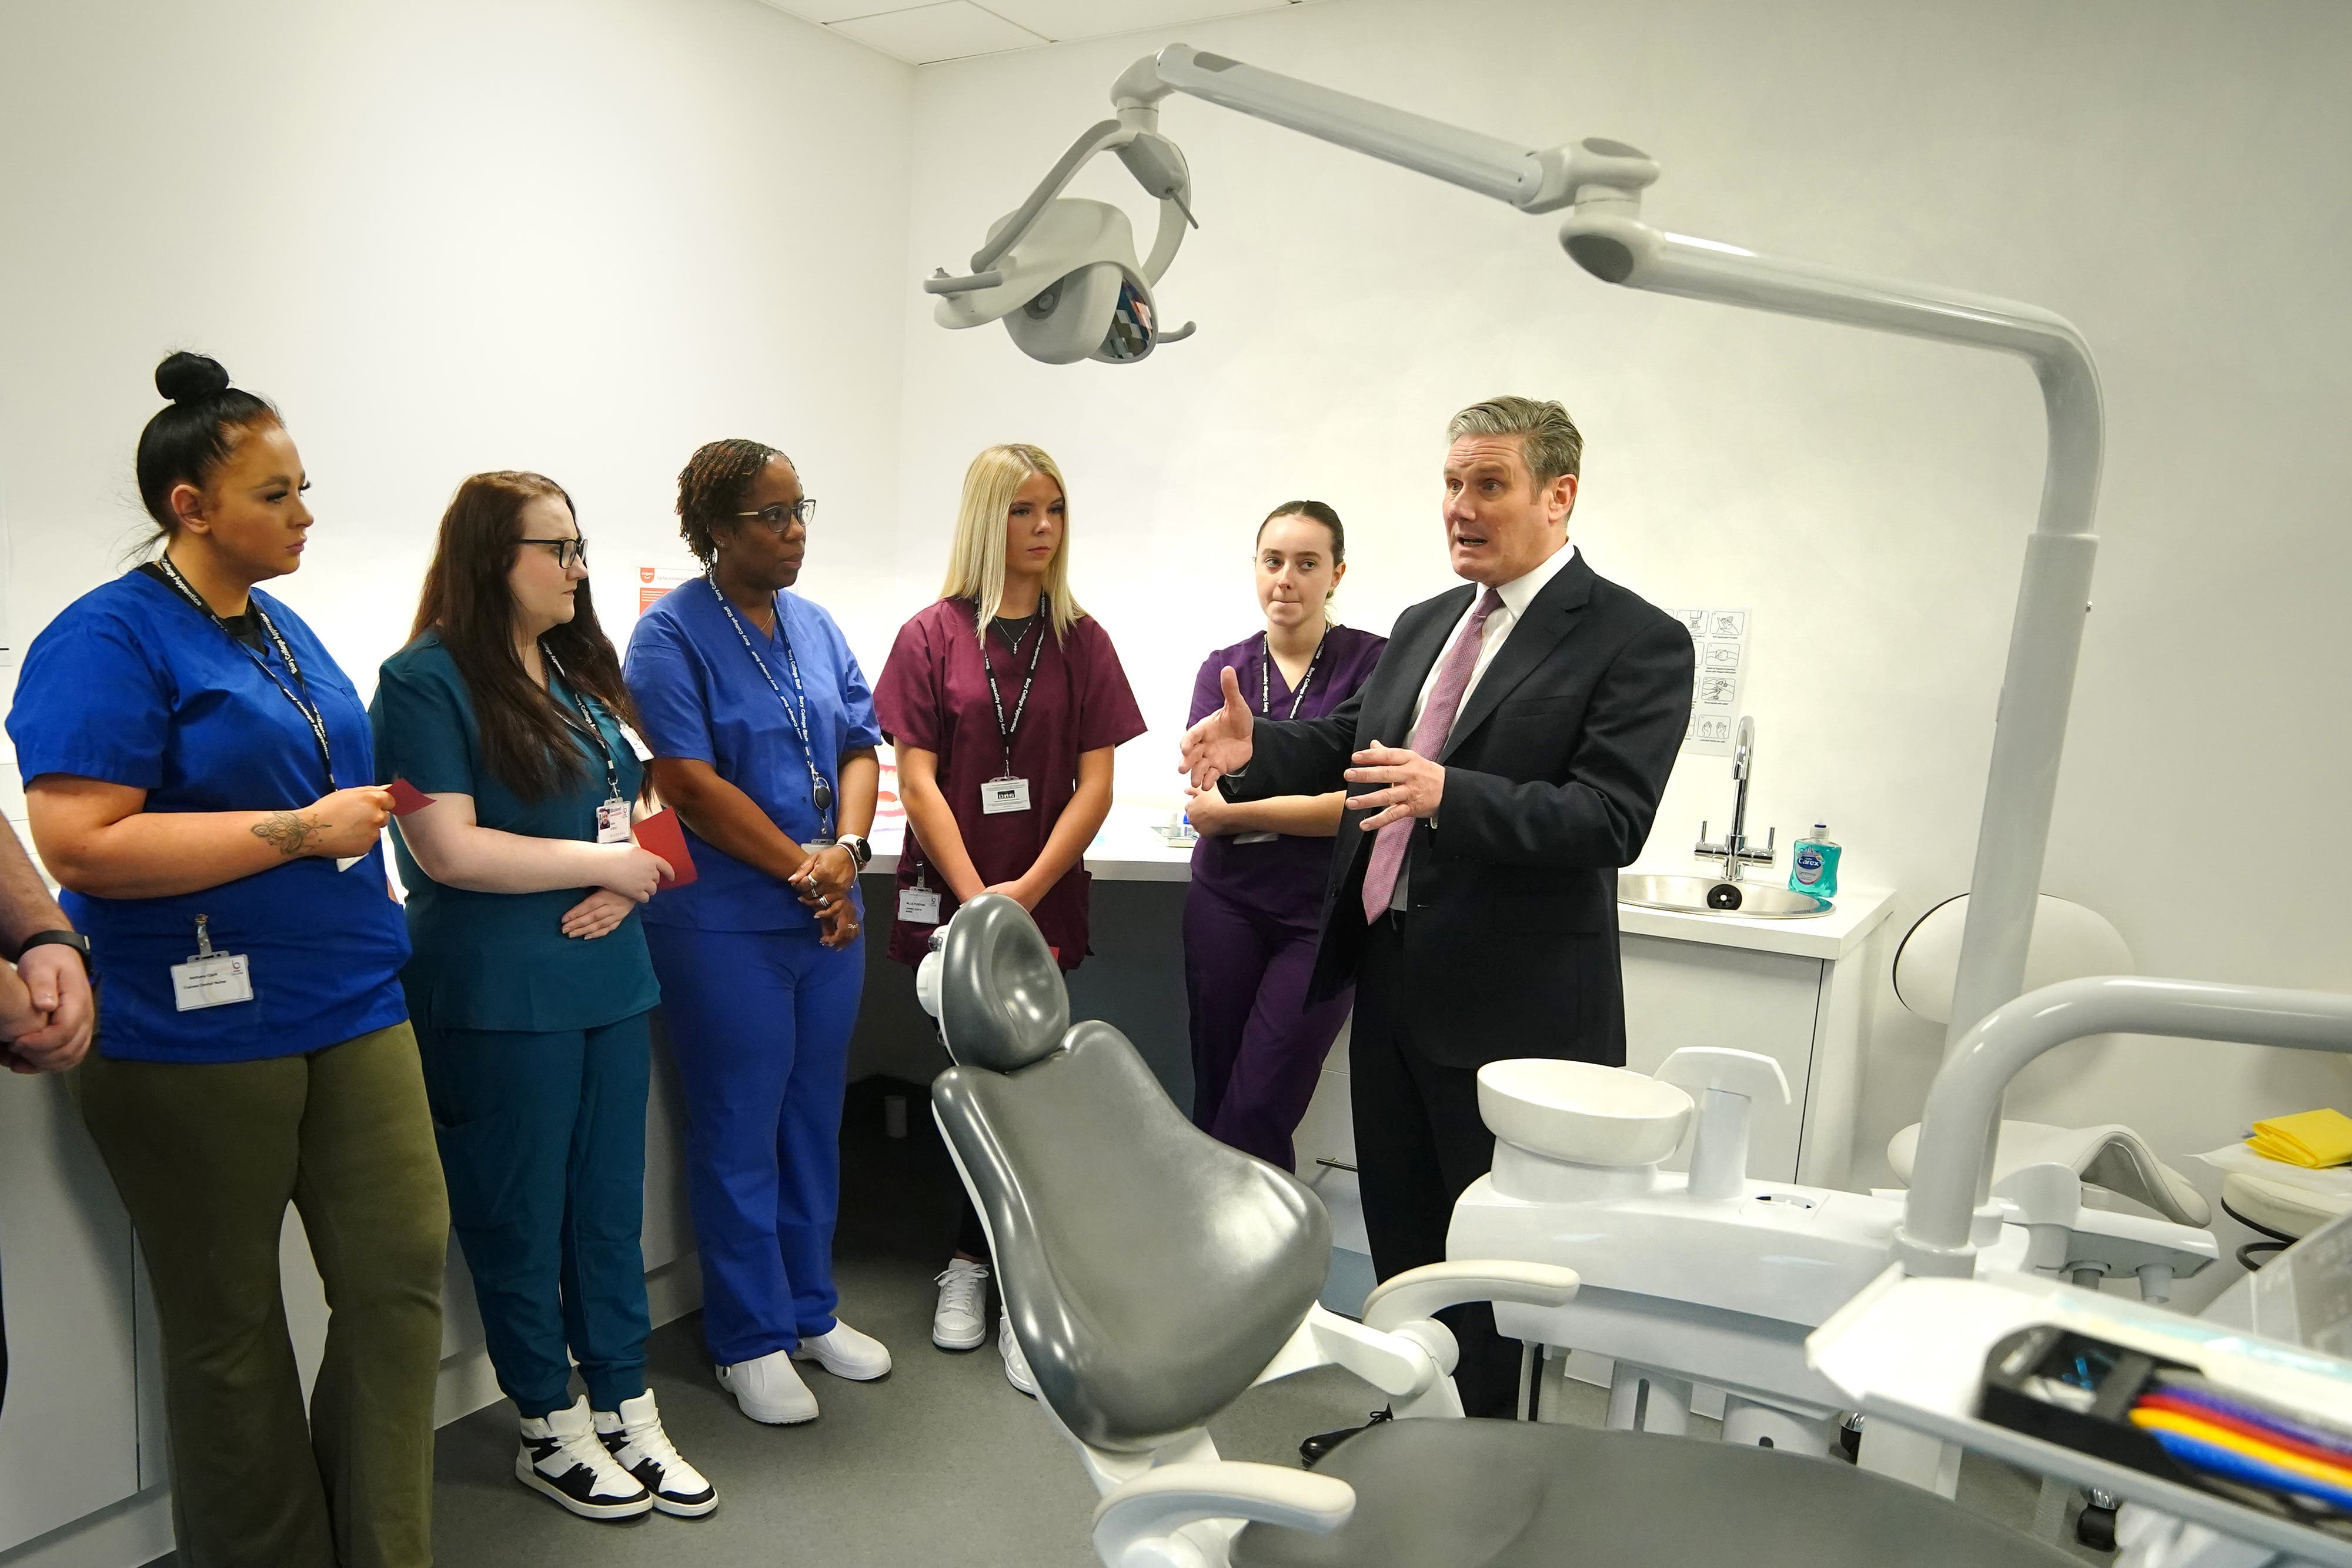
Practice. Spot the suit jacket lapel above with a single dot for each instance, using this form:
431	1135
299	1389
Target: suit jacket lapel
1548	620
1394	723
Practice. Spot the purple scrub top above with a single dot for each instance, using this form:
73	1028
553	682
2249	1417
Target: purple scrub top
933	696
1284	878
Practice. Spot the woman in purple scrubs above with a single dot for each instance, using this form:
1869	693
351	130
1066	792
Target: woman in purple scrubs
1005	702
1250	916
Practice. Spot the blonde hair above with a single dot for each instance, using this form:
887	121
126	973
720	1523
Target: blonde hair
976	561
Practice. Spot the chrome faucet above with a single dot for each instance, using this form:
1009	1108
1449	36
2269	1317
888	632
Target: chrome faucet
1736	855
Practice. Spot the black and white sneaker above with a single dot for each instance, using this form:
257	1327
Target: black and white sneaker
561	1457
633	1437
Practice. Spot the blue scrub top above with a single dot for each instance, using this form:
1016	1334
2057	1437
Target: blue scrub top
701	698
132	684
500	960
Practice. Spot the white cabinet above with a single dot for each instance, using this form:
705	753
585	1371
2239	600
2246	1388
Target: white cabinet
69	1430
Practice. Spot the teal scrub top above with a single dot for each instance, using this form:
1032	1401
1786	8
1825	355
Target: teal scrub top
500	960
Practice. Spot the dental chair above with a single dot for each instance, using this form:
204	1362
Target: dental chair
1152	1275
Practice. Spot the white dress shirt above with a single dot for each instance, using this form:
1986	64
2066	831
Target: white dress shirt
1515	595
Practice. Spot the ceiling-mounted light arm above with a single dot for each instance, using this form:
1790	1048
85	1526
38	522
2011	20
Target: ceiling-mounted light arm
1532	180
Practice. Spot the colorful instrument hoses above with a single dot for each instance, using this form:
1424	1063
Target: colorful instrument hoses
2231	1435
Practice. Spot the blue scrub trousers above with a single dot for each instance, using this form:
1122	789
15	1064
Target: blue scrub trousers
543	1143
759	1023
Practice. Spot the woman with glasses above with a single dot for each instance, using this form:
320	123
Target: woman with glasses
529	985
763	736
199	778
1006	703
1254	906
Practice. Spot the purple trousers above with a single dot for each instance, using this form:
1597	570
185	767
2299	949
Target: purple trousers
1256	1047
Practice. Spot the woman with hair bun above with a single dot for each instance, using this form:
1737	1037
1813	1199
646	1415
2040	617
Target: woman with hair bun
201	782
1253	908
531	986
763	736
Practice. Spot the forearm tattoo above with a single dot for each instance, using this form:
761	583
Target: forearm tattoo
290	831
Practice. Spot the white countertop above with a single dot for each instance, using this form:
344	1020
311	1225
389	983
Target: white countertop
1131	849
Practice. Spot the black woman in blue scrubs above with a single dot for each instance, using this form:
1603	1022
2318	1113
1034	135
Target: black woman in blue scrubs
200	780
531	986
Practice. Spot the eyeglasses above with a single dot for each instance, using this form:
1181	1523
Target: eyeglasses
566	550
777	518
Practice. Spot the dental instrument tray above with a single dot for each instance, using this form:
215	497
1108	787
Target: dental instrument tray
2164	1417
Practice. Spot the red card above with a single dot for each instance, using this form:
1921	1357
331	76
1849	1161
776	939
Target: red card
407	797
661	833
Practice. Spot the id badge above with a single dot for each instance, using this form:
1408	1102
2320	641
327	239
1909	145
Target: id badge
212	980
1000	795
613	822
919	906
636	743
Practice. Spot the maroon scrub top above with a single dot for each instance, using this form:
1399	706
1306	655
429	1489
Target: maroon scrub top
933	696
1286	878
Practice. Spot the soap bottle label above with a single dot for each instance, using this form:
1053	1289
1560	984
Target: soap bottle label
1809	865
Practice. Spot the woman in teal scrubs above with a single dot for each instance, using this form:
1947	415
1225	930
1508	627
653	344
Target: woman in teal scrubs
529	985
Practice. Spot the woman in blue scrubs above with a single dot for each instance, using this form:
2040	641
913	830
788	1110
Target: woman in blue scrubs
762	733
200	780
531	986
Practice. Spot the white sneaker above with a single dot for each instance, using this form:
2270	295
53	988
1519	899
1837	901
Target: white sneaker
1016	1365
961	1321
768	1388
845	1353
633	1434
561	1458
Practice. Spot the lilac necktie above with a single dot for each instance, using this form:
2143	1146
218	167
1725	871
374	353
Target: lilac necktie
1428	739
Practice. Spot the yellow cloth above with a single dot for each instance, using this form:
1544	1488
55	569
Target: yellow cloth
2313	1139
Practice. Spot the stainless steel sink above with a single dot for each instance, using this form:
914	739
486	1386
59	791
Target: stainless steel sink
1712	895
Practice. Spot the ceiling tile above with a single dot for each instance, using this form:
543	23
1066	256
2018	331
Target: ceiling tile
942	32
1059	19
829	10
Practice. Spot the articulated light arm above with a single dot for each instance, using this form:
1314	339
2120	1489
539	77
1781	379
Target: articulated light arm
1603	181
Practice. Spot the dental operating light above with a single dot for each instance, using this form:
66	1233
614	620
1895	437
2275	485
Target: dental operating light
1062	273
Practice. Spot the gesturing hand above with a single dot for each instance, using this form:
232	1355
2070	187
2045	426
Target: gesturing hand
598	914
1415	785
1221	743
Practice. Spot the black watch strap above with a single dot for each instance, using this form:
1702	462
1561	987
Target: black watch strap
73	939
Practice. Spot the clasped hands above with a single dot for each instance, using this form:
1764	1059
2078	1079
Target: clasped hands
46	1010
822	885
1413	784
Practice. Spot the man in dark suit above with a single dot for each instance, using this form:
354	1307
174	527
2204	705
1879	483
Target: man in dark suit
1540	708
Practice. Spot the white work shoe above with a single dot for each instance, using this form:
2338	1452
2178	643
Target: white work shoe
561	1458
633	1434
961	1321
768	1388
845	1353
1016	1365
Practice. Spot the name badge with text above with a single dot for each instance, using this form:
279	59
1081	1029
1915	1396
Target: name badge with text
636	743
212	980
919	906
613	822
1000	795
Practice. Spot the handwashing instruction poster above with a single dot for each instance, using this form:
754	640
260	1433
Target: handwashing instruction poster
1719	646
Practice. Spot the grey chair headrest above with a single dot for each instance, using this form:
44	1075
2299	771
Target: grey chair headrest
1002	1005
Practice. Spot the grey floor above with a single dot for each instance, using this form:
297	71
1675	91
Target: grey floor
939	1462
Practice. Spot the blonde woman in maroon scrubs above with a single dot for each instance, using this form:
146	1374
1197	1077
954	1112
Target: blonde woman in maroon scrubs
1005	701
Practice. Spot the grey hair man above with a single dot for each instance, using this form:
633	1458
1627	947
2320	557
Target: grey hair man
1504	759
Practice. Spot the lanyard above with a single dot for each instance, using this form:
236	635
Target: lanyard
1004	731
302	703
819	792
1265	680
594	731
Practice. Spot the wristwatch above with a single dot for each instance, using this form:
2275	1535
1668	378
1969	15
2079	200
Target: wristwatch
73	939
859	849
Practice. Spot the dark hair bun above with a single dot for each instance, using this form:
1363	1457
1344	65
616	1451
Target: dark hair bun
190	378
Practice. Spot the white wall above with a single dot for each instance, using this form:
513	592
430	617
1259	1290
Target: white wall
2171	176
582	237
